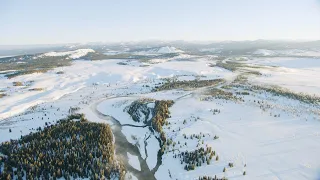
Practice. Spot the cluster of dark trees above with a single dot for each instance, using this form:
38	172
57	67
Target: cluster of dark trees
36	89
244	93
187	84
229	65
263	105
138	107
234	66
60	72
161	113
215	111
212	98
17	83
159	119
196	136
196	158
211	178
143	58
24	72
73	148
2	95
215	93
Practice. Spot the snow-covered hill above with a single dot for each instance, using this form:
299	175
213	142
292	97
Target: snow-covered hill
264	52
76	54
159	50
212	50
287	52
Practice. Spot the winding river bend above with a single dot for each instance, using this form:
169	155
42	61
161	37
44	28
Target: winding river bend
122	146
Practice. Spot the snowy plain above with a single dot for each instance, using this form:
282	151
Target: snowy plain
257	142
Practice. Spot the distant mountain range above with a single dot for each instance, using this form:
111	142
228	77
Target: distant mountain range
163	47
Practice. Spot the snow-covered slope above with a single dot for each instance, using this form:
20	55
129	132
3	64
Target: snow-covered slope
168	49
212	50
159	50
288	52
264	52
71	54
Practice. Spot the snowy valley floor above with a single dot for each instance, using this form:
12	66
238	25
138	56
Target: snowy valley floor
255	133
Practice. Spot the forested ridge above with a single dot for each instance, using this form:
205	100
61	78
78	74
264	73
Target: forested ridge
74	147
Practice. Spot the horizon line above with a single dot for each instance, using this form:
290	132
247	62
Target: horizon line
158	40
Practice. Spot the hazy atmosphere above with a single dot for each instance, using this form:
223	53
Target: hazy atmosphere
50	22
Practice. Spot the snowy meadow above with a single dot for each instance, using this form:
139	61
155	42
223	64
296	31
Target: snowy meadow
177	114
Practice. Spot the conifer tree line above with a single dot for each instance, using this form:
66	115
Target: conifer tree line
161	113
211	178
186	84
279	91
72	148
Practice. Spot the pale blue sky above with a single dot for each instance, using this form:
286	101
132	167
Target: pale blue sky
68	21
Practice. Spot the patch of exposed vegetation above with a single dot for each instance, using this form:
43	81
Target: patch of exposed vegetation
243	77
36	89
147	58
128	55
226	87
2	95
95	56
17	83
168	85
24	72
243	93
216	93
144	65
257	73
122	63
73	148
219	94
233	66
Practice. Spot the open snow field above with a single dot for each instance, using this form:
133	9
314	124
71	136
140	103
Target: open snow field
264	135
298	74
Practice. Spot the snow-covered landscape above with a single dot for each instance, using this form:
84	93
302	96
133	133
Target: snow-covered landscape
232	117
160	90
